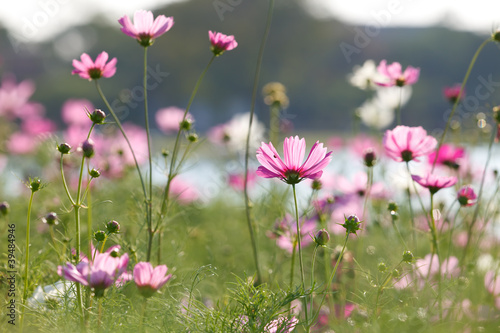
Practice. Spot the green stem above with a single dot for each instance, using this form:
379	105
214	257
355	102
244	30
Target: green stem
64	181
247	144
330	280
143	314
381	288
412	218
149	202
274	124
471	65
312	279
27	258
369	183
171	172
298	237
436	250
398	111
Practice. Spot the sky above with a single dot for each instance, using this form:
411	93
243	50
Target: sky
38	20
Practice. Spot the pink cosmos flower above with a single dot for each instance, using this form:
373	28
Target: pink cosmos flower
149	280
404	144
434	183
492	283
466	196
169	119
221	43
14	99
290	171
99	274
394	75
237	181
90	70
285	232
448	155
452	94
183	192
145	28
74	112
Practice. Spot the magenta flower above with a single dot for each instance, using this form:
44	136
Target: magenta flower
99	274
145	29
452	94
290	171
466	196
448	155
404	144
394	75
434	183
149	280
221	43
90	70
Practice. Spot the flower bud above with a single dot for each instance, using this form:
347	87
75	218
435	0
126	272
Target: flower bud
4	208
186	124
382	267
164	153
50	219
97	117
316	185
115	253
396	273
193	137
392	206
35	184
88	148
99	235
113	227
351	224
64	148
322	237
94	173
408	257
496	36
370	158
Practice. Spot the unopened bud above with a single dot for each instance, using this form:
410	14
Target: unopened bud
88	148
100	236
35	184
50	219
193	137
392	206
4	208
97	117
186	124
370	158
316	185
322	237
94	173
382	267
64	148
351	224
113	227
408	257
396	273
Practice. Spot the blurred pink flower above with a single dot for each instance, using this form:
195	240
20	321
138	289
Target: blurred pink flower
100	273
90	70
448	155
492	283
169	119
394	75
290	171
466	196
335	142
74	112
281	325
237	180
285	232
359	185
145	28
361	143
452	94
183	192
38	125
14	99
21	143
434	183
149	280
221	43
404	144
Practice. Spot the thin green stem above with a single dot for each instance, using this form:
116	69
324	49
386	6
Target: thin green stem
298	237
369	183
464	82
313	282
149	210
412	218
394	225
274	124
247	144
398	111
64	182
436	251
26	260
386	280
172	169
143	315
120	127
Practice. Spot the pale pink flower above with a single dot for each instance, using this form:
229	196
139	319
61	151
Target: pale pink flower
281	325
448	155
237	180
221	43
452	94
149	280
74	112
450	267
169	119
404	144
99	274
145	27
14	97
21	143
492	283
90	70
285	232
361	143
434	183
183	192
394	75
466	196
290	170
38	125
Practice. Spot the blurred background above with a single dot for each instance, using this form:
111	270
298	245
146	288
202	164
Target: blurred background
312	47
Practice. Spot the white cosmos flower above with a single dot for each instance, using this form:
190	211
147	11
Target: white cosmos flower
391	96
55	293
363	77
376	115
236	131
